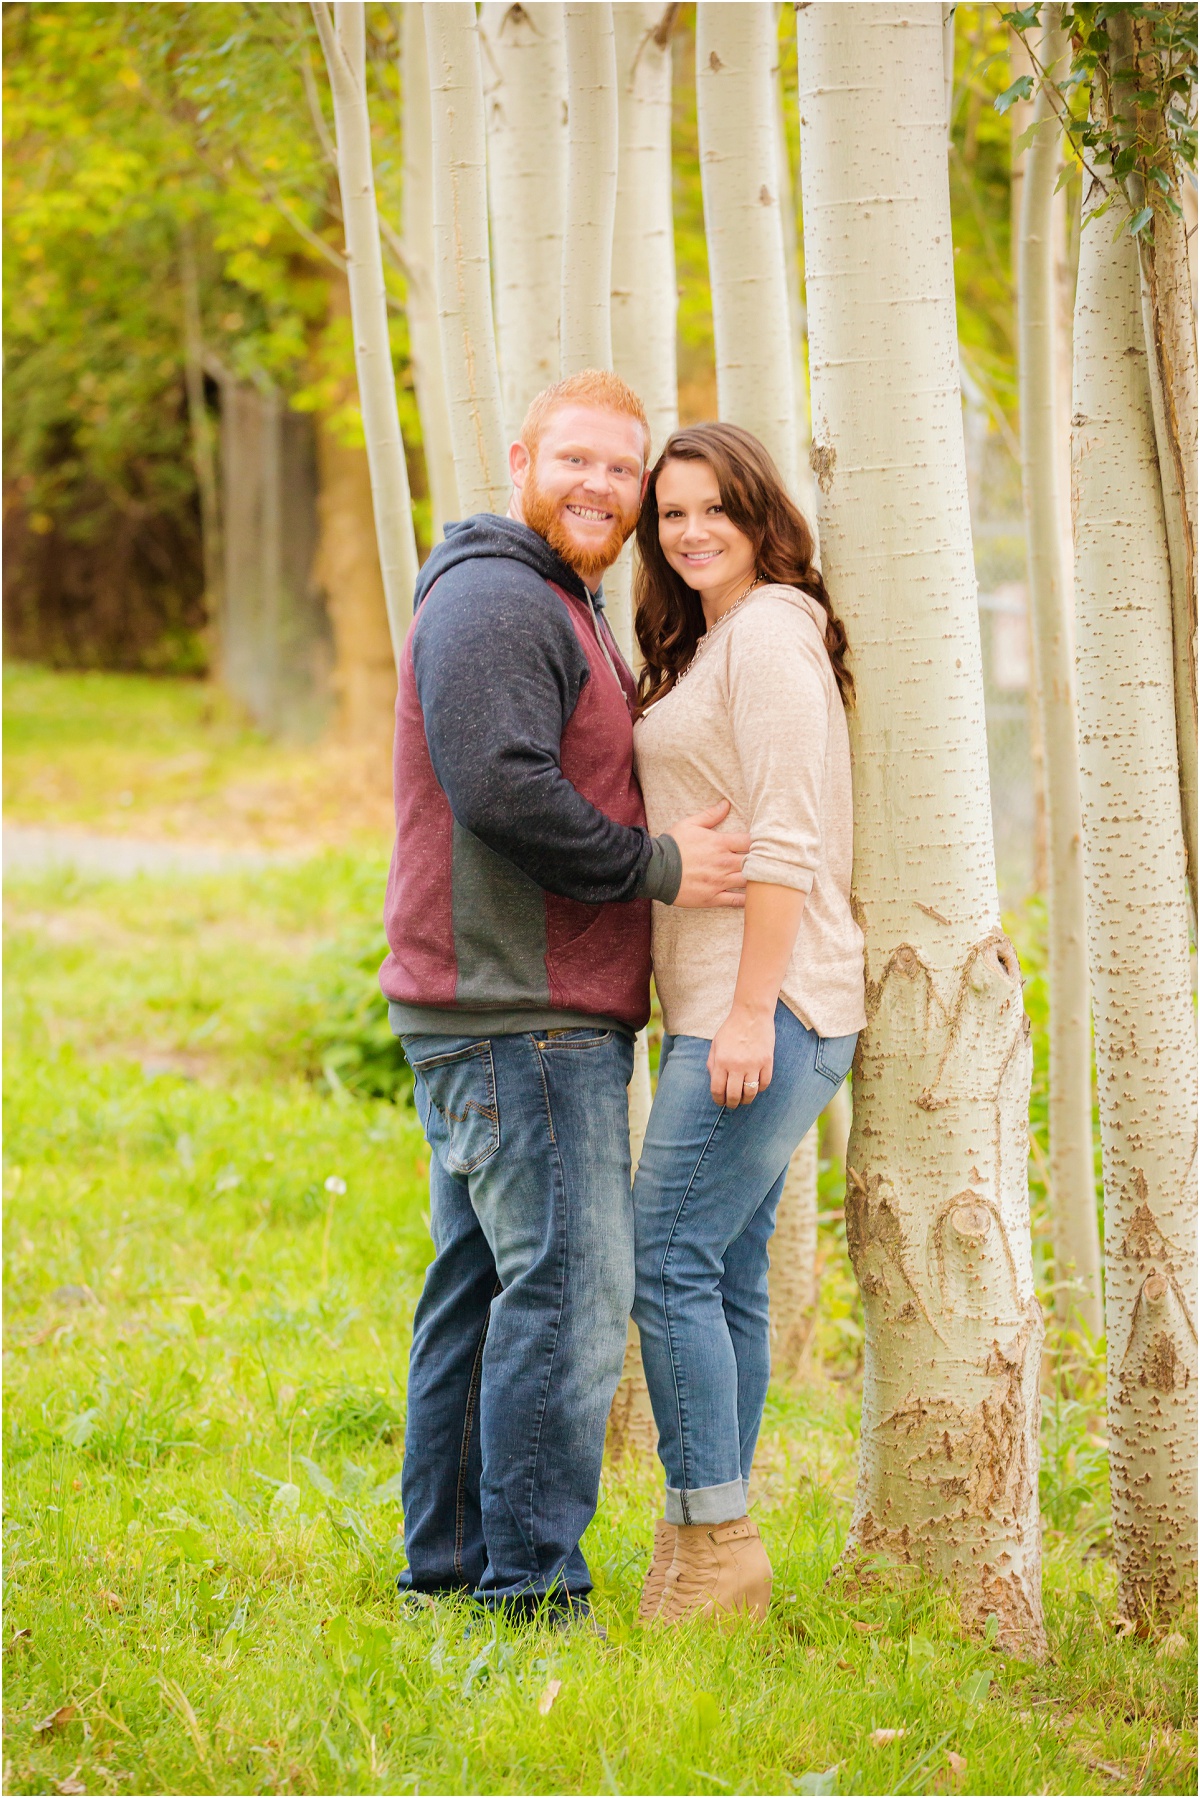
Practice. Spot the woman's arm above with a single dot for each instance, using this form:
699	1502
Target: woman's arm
744	1047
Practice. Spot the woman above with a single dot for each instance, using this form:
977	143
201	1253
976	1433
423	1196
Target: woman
741	698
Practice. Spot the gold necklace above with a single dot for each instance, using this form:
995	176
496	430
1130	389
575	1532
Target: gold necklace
728	613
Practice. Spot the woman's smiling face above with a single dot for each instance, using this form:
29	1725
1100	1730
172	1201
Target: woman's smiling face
698	538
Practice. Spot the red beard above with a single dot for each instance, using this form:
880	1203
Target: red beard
544	515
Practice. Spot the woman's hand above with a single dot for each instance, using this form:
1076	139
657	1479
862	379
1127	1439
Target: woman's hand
741	1059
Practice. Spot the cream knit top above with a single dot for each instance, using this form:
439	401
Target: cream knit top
758	720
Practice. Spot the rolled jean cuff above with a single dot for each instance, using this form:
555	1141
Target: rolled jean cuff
708	1504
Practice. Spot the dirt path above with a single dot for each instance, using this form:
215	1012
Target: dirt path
29	850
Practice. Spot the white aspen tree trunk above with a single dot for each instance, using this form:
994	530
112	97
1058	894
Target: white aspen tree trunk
462	277
424	337
1169	324
525	95
643	304
835	1125
591	186
805	490
793	1274
644	297
1072	1178
1138	935
739	170
937	1203
631	1426
948	21
343	39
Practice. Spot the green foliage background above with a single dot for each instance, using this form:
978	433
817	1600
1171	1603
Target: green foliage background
127	125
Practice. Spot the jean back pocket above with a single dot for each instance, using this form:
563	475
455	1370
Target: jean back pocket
461	1087
834	1056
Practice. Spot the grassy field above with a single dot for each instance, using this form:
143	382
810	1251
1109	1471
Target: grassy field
215	1238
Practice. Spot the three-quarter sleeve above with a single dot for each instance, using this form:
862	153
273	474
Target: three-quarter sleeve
778	697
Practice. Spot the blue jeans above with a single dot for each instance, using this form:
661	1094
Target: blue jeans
704	1203
519	1336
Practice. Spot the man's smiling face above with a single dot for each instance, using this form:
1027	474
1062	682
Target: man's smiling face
582	489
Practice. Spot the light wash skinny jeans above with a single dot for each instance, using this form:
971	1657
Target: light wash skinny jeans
704	1203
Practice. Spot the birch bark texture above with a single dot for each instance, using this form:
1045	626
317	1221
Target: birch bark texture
1077	1288
462	271
739	175
805	492
591	186
1169	325
424	338
644	299
644	296
525	94
1138	934
937	1202
342	31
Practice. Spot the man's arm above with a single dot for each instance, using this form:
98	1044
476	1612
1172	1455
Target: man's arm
499	672
498	675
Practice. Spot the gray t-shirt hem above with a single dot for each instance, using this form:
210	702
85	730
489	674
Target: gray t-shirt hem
433	1020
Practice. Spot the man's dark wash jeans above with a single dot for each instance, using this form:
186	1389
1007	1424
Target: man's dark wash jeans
519	1336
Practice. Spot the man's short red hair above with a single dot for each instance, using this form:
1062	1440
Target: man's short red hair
590	387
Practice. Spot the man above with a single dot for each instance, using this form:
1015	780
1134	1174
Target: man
518	918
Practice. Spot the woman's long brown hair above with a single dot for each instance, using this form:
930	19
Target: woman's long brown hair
668	616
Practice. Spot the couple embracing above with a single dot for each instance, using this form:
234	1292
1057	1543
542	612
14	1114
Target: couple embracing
557	823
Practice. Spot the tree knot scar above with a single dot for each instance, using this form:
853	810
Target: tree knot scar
1160	1367
1144	1241
906	961
822	459
931	911
715	63
971	1219
765	196
1155	1289
928	1102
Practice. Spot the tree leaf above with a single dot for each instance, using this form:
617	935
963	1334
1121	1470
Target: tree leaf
819	1785
1140	220
321	1481
553	1688
285	1502
975	1687
1021	89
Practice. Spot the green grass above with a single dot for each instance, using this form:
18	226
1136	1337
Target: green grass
206	1344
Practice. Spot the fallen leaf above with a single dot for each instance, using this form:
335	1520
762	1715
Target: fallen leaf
56	1720
1124	1626
881	1737
958	1765
1170	1646
846	1666
112	1601
70	1786
18	1635
553	1688
867	1628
